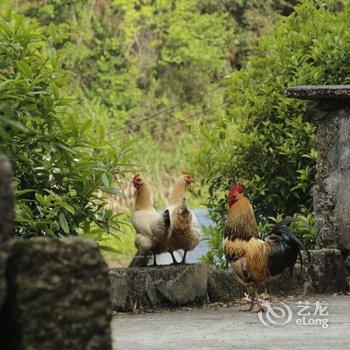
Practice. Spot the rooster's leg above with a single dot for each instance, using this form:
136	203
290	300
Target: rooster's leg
257	306
173	257
154	260
183	261
252	295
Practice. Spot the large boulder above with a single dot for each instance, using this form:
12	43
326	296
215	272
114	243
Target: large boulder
58	296
6	219
150	288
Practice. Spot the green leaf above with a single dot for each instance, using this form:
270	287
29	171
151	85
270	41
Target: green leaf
105	181
68	208
24	69
55	89
16	124
113	191
5	27
109	249
63	223
22	192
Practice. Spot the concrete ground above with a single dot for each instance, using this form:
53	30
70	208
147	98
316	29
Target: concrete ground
229	328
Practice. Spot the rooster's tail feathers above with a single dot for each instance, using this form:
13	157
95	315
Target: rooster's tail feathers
285	248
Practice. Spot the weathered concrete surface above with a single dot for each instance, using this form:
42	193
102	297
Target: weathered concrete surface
6	219
319	92
58	296
172	286
153	287
229	328
331	199
326	273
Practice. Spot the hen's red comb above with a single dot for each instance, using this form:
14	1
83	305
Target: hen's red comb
136	177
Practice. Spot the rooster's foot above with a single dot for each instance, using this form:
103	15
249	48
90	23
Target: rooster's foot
249	308
258	307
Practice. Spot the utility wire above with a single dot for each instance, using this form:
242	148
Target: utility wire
167	110
156	131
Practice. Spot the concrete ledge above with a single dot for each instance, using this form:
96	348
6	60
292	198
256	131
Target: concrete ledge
58	296
150	288
319	92
171	286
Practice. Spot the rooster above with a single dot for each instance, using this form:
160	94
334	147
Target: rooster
255	260
152	229
185	233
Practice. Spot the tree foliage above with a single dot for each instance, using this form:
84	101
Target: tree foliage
265	140
62	161
138	58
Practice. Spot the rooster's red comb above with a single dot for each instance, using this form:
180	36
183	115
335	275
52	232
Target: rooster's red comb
237	188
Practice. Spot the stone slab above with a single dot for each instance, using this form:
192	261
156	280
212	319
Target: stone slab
58	296
319	92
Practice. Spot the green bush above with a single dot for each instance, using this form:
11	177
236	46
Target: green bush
265	140
63	162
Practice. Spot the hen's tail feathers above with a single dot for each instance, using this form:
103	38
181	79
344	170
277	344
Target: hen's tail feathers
166	218
139	260
285	248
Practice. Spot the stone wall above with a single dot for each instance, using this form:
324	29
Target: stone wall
153	288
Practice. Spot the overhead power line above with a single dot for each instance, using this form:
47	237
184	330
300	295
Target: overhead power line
167	110
156	131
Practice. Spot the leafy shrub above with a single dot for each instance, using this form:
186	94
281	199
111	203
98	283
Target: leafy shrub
266	140
62	162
